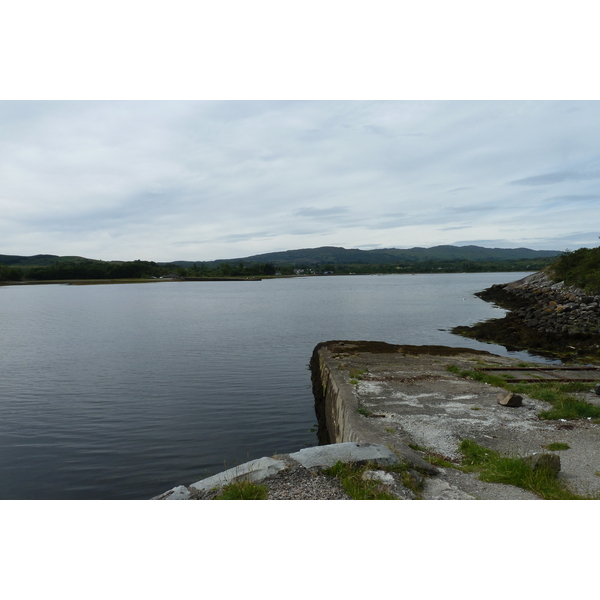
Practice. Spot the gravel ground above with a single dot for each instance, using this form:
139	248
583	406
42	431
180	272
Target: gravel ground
296	483
301	484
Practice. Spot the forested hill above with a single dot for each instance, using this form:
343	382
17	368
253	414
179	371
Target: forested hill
39	260
342	256
315	261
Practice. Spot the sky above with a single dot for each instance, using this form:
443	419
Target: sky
130	131
204	180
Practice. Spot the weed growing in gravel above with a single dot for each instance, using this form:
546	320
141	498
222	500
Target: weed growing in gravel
365	412
434	458
495	468
243	490
357	373
557	446
564	405
356	487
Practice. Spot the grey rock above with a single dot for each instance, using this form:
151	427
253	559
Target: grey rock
390	484
347	452
177	493
381	476
547	462
438	489
510	399
254	470
416	477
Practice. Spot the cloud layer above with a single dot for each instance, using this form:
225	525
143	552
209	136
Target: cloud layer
205	180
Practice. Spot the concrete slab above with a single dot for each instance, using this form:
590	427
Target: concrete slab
349	452
401	395
254	470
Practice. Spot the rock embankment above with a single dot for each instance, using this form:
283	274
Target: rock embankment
546	317
300	476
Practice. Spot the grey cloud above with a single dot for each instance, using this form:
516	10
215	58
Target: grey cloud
243	237
459	189
232	238
490	243
319	213
577	239
575	197
556	177
388	224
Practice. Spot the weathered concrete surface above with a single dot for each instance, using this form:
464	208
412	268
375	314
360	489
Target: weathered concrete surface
400	395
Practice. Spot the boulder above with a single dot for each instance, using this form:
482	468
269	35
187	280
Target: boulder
546	462
510	399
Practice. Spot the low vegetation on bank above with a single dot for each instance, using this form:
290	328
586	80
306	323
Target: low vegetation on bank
555	313
579	268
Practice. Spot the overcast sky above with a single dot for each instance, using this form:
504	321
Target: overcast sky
201	180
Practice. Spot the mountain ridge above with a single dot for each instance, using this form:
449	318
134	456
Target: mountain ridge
339	255
335	255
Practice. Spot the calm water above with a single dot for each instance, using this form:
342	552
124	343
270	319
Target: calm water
123	391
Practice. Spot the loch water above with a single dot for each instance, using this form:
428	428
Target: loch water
124	391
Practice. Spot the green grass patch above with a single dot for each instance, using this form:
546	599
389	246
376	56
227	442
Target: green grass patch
495	468
558	394
557	446
356	374
351	477
243	490
365	412
434	458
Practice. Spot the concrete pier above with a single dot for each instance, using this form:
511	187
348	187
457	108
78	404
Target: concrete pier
396	404
401	395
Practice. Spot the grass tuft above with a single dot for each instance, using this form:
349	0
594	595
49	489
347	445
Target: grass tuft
557	446
365	412
434	458
353	483
357	373
495	468
243	490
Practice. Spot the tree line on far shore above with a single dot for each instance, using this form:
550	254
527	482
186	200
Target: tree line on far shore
138	269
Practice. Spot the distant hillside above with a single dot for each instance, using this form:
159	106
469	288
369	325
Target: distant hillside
39	260
325	260
338	256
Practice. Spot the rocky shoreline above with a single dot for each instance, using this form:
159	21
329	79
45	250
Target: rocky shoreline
545	318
